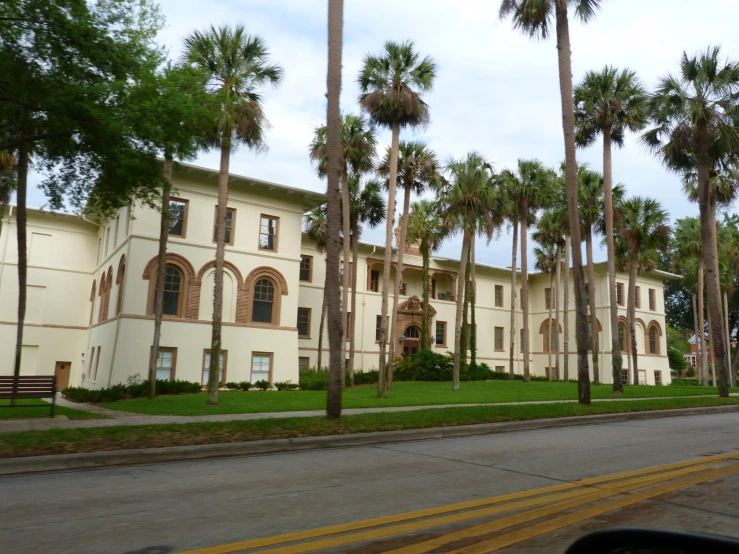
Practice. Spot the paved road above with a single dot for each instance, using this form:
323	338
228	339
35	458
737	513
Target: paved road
182	506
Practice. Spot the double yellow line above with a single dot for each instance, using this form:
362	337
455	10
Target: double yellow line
578	494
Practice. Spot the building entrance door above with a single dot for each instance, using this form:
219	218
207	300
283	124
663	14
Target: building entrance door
61	371
411	342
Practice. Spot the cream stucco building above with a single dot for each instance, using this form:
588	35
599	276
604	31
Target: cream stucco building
91	286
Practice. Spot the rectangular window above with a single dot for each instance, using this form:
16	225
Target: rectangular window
433	288
304	323
268	227
230	221
520	298
500	368
166	364
620	294
303	364
521	340
499	296
92	363
375	280
625	376
637	297
341	273
652	300
222	363
115	234
128	218
349	323
306	268
177	217
377	327
100	248
441	333
261	366
547	298
107	241
97	364
657	378
404	289
499	339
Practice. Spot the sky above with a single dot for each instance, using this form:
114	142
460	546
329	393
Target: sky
496	91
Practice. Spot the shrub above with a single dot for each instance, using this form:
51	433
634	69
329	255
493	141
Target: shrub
313	380
233	386
685	382
244	385
134	389
362	377
263	385
286	385
424	365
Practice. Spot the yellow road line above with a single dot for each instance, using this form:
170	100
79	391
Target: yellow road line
600	493
557	523
373	534
396	518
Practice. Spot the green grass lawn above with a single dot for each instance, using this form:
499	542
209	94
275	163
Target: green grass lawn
61	441
21	411
403	394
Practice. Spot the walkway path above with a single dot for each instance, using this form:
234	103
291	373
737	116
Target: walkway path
130	418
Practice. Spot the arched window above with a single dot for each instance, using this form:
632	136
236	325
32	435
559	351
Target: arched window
92	302
119	280
264	299
172	291
545	329
622	337
412	332
101	294
653	344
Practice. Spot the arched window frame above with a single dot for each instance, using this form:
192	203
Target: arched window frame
655	328
92	300
101	294
544	331
280	286
120	280
186	308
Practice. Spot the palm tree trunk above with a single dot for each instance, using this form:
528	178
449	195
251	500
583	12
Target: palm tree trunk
319	364
698	357
556	305
568	128
702	324
24	154
388	256
707	206
513	297
161	271
337	348
631	309
566	312
398	280
525	290
353	328
616	358
425	323
732	381
473	295
550	342
346	232
465	344
591	294
711	351
458	319
221	209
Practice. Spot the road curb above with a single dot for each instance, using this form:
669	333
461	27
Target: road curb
58	462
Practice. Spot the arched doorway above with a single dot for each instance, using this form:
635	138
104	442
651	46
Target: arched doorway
412	339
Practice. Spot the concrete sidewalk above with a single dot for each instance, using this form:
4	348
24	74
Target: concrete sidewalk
129	418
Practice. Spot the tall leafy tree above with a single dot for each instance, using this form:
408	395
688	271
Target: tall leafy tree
392	84
535	18
609	103
417	170
425	228
465	199
694	116
531	187
237	65
643	229
315	230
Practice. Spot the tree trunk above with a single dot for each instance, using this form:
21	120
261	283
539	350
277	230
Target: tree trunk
707	205
525	290
631	310
732	377
566	312
346	232
425	323
221	210
616	358
513	297
473	295
711	352
355	270
392	181
337	348
20	225
593	311
698	357
161	271
398	281
319	364
458	317
556	305
702	324
568	129
550	345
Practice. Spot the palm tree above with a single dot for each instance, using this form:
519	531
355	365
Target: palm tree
367	208
315	229
425	228
333	215
358	143
531	187
545	256
391	85
463	201
510	208
237	66
535	18
609	103
417	169
644	229
559	208
694	116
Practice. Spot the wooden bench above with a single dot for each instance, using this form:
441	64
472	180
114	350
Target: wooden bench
30	386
